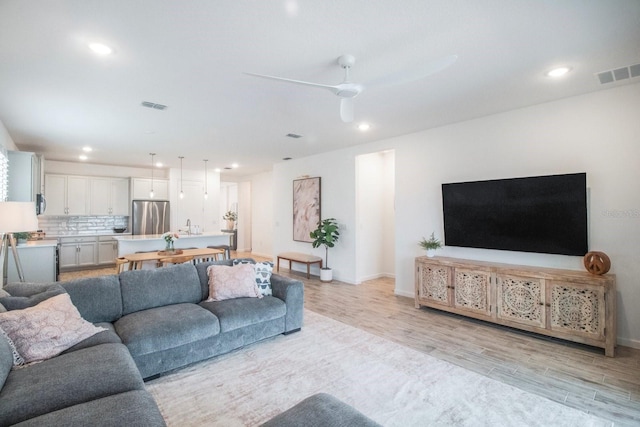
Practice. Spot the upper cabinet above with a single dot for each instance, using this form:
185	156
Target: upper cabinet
141	187
83	195
109	196
67	194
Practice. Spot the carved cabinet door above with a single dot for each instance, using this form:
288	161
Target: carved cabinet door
578	309
472	290
434	284
521	300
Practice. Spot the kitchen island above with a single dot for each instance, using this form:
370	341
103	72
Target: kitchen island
38	259
130	244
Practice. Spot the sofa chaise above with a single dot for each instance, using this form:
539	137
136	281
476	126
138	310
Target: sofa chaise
155	321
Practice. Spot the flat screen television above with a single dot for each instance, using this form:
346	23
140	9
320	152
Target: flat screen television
543	214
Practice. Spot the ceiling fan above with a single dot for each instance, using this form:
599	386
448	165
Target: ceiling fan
348	90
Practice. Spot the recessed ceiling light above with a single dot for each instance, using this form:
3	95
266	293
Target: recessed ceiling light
87	149
100	49
82	157
159	164
558	72
234	165
217	170
364	127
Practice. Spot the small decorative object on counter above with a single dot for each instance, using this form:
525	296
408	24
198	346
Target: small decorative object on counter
170	237
231	217
430	245
597	262
22	236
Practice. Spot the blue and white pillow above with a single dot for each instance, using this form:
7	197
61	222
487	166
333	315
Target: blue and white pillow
263	274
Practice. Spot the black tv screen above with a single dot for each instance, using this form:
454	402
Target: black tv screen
543	214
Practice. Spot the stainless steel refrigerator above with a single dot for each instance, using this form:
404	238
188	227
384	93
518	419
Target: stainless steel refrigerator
150	217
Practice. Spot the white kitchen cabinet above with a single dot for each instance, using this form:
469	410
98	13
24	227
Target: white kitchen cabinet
107	250
67	194
109	196
140	188
38	260
78	252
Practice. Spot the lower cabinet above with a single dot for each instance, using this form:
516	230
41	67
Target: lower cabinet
90	251
38	260
567	304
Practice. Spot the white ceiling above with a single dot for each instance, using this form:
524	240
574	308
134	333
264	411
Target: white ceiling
57	96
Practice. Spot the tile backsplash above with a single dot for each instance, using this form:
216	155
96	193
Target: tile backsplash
64	225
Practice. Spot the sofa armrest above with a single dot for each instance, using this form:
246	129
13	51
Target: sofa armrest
290	291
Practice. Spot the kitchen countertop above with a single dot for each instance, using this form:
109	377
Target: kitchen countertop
38	243
130	237
58	236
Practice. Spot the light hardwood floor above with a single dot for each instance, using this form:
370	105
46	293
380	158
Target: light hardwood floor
577	376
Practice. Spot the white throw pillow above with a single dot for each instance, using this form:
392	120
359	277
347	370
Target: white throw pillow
47	329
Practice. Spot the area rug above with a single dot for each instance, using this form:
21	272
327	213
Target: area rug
392	384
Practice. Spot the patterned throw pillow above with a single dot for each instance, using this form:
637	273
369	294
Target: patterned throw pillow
227	282
263	274
47	329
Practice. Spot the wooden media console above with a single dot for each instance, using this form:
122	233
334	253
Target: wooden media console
567	304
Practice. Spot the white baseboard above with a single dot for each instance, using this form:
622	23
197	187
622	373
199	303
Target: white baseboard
629	343
404	294
262	255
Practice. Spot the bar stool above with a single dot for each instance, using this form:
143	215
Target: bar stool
180	259
225	248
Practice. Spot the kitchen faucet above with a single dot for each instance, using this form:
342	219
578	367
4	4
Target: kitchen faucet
188	226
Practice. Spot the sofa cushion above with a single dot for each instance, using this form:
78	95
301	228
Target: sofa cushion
67	380
165	327
18	302
7	359
47	329
27	289
232	282
98	299
240	312
144	289
108	336
133	408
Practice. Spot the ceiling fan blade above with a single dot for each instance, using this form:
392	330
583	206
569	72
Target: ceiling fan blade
346	109
298	82
414	73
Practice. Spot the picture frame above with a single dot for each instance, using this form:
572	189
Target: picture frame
306	208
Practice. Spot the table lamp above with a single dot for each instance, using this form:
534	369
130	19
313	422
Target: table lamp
15	217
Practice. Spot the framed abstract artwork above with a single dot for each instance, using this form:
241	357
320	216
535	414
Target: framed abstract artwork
306	208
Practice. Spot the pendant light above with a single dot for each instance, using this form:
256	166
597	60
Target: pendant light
181	192
206	195
151	192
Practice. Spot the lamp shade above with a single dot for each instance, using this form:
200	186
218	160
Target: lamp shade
18	216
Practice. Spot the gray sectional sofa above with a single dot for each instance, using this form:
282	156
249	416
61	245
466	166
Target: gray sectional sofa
156	320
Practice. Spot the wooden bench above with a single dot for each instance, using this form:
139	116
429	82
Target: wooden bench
301	258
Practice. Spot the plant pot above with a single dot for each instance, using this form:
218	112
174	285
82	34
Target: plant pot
431	253
326	275
230	224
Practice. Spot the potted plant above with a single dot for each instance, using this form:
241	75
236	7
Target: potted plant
21	236
430	245
327	234
231	217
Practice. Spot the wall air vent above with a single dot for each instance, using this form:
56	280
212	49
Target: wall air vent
622	73
293	135
153	105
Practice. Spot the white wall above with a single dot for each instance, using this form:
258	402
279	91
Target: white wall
375	240
5	139
597	133
262	214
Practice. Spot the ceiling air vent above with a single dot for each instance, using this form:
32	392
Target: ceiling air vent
618	74
153	105
293	135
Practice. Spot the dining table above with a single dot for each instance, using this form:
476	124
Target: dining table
136	260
